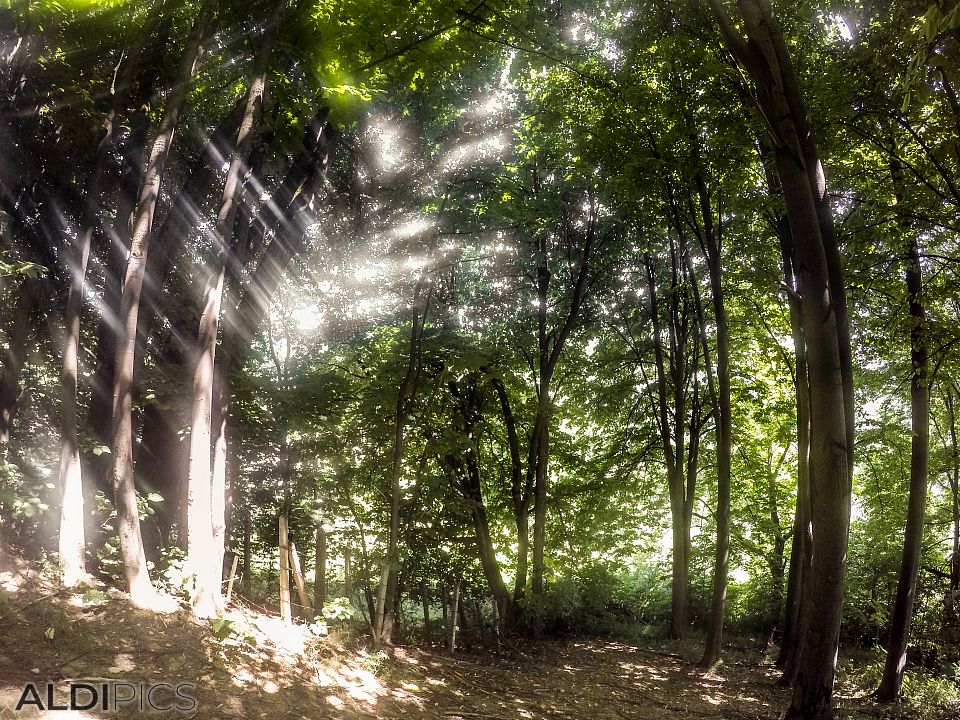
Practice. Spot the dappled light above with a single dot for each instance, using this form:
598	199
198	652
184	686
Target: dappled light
480	359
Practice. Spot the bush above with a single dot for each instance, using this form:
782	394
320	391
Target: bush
599	601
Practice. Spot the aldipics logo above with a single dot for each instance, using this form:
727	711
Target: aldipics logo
110	697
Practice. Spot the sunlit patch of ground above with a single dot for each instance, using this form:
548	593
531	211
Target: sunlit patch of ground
270	670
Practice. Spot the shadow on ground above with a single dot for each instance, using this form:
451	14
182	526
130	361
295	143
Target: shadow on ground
53	635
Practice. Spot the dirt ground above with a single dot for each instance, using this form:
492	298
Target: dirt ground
48	634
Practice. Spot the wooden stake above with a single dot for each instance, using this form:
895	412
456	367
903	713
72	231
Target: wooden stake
496	622
425	596
298	578
285	613
233	574
347	574
453	615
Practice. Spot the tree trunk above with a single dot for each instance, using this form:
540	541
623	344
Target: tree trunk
519	494
347	574
550	347
207	485
673	450
711	652
125	494
138	79
454	614
405	397
801	551
680	564
791	609
246	548
893	669
953	474
778	94
444	615
320	576
795	635
425	598
72	544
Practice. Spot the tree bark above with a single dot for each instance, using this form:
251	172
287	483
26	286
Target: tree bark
722	419
320	576
779	98
680	459
454	614
519	493
205	515
347	574
405	398
246	548
469	401
550	347
125	495
72	543
301	586
892	681
800	587
425	599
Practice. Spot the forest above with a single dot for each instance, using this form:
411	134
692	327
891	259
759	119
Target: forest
481	359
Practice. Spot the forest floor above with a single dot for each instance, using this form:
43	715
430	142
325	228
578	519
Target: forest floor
48	634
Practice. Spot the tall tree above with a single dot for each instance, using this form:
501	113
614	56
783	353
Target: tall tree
125	494
709	234
72	546
896	661
765	56
205	509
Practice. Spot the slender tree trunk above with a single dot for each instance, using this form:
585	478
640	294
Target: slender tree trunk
519	494
444	615
779	97
801	552
207	485
673	457
405	396
425	598
454	614
893	669
72	542
550	347
136	86
791	605
711	652
246	548
680	563
320	579
795	636
470	402
125	494
539	453
953	474
347	574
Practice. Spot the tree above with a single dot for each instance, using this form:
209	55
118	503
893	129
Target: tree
896	661
128	519
766	58
207	491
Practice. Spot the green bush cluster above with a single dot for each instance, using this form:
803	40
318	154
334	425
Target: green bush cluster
599	600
